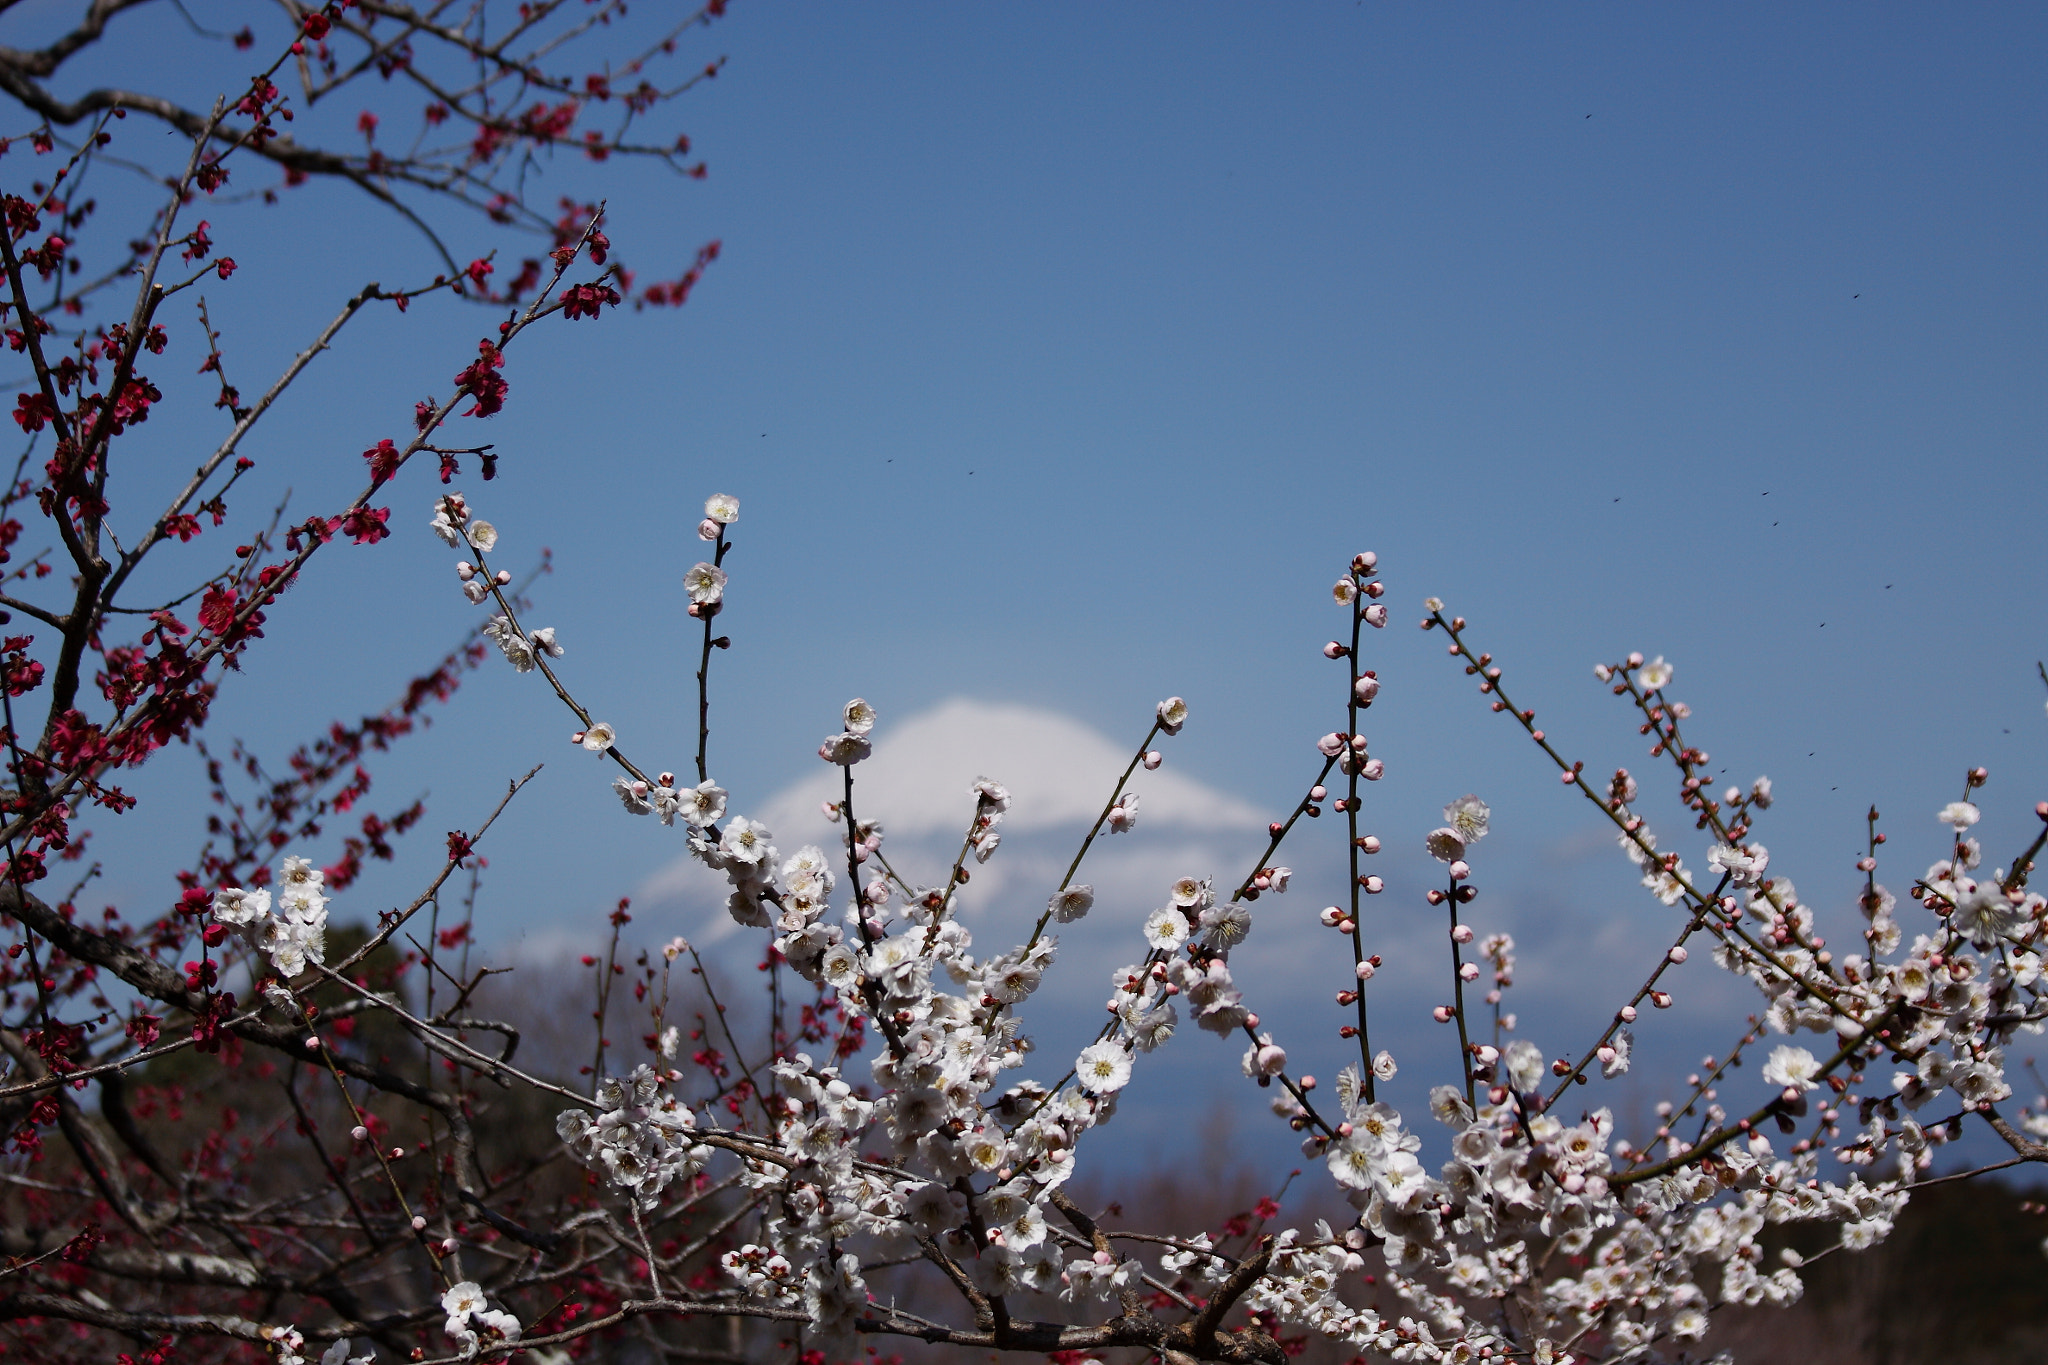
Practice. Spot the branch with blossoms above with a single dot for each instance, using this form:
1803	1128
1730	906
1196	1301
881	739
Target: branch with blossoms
492	106
938	1160
243	1123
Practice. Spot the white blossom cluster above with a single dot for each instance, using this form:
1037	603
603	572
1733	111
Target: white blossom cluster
289	925
1608	1251
642	1137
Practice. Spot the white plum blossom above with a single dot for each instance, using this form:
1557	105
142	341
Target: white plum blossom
1961	814
1654	675
517	649
1104	1068
1791	1067
468	1309
1123	816
702	805
1173	713
1468	815
704	583
722	508
1071	903
846	749
1744	865
1166	928
859	716
599	737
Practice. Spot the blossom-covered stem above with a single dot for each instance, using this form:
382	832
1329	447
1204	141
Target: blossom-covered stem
1108	806
1712	1078
261	596
1458	993
1725	1134
1351	833
1614	1025
871	990
1275	837
1574	772
867	940
704	669
2016	876
1661	717
505	604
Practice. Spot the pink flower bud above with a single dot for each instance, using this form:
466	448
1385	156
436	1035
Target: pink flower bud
1334	650
1628	1014
1443	1014
707	529
1373	886
1369	844
465	571
502	577
1317	793
1462	934
359	1133
1330	745
1373	770
1251	1021
1460	870
1153	758
418	1223
1367	687
1677	953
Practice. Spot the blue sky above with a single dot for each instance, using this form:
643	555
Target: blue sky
1061	356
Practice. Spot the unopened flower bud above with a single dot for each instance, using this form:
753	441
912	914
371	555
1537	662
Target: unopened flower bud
1460	870
707	529
465	571
502	577
1376	614
1335	650
1153	758
1373	770
359	1133
418	1223
1318	792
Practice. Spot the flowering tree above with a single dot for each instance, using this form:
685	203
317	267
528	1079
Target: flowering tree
886	1168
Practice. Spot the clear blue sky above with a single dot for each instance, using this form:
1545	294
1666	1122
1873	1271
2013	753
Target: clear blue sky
1061	355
